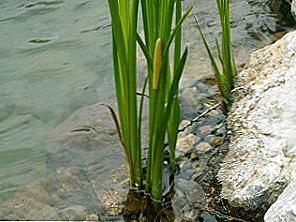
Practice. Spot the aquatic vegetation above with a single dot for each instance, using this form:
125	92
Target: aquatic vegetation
161	32
226	72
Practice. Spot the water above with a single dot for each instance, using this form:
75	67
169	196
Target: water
54	58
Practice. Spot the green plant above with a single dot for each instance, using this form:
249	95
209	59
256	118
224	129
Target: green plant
226	74
162	83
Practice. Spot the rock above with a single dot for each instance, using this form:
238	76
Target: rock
262	152
183	124
206	130
216	141
92	217
78	154
73	213
208	217
203	147
189	96
193	192
293	8
186	143
188	201
284	209
80	172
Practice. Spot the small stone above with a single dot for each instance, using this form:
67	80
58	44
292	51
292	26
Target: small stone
193	156
92	217
186	143
206	130
185	123
208	217
221	131
77	212
203	147
193	191
216	141
190	96
214	113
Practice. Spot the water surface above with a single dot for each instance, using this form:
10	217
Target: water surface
54	58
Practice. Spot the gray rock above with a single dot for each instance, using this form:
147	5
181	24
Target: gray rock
262	152
80	172
284	209
203	147
73	213
190	96
293	8
186	143
189	200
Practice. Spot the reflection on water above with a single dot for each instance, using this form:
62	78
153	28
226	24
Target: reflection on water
54	58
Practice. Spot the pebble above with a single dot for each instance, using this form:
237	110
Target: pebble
183	124
92	217
208	217
216	141
206	130
73	213
189	96
186	143
203	147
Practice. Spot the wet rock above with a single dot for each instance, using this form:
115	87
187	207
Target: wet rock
193	192
79	172
73	213
208	217
186	143
79	152
189	96
262	155
216	141
183	124
203	147
284	209
92	217
206	130
189	200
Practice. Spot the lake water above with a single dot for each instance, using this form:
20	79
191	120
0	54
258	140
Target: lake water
55	57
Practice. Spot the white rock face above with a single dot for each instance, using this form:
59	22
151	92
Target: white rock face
293	8
261	160
284	209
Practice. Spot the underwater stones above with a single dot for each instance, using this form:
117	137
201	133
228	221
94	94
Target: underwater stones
73	213
186	143
189	200
203	147
262	153
284	209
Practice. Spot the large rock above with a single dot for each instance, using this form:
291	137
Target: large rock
293	8
261	160
284	209
86	172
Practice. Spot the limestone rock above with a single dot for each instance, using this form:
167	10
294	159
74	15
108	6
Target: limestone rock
293	8
284	209
262	152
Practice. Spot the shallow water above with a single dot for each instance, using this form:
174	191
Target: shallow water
55	57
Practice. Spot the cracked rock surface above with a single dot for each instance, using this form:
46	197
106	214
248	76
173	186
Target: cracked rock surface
261	160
